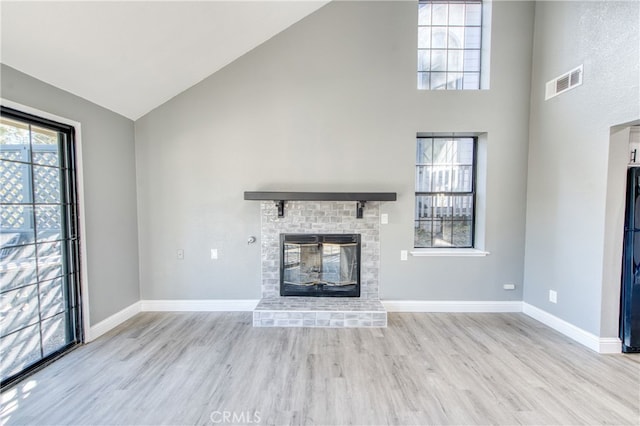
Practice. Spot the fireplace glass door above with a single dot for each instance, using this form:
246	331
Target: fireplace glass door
320	265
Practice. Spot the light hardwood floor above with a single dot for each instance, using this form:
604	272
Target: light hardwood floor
191	368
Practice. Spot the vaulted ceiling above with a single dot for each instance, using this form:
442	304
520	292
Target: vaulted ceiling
132	56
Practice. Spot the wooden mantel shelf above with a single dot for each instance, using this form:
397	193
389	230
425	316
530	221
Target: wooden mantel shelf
280	197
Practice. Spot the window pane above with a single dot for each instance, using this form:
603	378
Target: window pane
423	80
454	81
473	14
464	151
438	80
19	308
46	157
17	266
443	206
19	350
424	38
471	60
54	335
424	150
462	232
16	226
15	183
438	60
461	181
424	206
444	238
423	236
44	145
46	181
49	223
439	37
461	207
424	14
456	14
454	60
52	298
424	60
472	38
49	261
456	38
424	176
14	140
15	152
439	14
471	81
442	153
441	178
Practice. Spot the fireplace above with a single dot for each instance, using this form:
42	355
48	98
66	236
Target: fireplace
324	265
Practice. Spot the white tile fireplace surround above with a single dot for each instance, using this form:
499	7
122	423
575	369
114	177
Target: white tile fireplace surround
320	217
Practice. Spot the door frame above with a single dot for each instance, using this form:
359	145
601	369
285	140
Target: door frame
84	276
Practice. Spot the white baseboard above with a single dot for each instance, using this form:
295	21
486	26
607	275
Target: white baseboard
111	322
610	345
451	306
604	345
211	305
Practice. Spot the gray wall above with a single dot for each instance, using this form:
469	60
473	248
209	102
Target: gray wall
109	184
569	156
330	104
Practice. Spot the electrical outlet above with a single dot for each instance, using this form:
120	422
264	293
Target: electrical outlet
180	254
403	254
384	218
509	286
553	296
214	254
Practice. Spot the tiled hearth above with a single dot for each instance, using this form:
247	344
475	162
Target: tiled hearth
320	217
319	312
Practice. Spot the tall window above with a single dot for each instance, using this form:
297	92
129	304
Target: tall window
449	44
445	192
39	265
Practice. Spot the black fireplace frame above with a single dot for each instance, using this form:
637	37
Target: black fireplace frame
320	289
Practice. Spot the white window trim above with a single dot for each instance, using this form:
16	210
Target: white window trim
449	252
481	201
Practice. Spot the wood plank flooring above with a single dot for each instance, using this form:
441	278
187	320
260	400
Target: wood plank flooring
215	368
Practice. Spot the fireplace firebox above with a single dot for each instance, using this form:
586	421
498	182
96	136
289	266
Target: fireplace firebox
320	265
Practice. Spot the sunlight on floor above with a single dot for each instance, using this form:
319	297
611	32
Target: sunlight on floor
10	400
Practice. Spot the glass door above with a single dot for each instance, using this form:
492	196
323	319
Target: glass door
630	294
39	267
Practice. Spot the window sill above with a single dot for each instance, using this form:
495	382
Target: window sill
451	252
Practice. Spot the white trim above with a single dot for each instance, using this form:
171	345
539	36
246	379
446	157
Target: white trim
211	305
118	318
605	345
460	252
610	345
451	306
112	322
84	274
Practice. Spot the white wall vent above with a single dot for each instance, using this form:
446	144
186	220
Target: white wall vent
563	83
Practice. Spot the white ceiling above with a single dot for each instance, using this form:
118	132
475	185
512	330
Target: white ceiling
131	57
